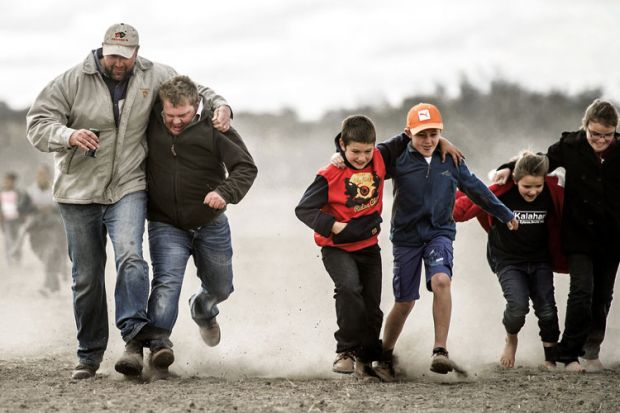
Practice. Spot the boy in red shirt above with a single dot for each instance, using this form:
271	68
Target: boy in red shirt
343	207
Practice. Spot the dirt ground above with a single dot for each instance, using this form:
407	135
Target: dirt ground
42	385
277	341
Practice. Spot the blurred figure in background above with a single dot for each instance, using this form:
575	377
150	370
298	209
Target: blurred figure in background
13	203
43	225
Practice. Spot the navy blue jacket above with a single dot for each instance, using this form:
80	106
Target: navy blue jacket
424	197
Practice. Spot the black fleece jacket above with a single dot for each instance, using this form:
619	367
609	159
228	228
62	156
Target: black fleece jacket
181	170
591	213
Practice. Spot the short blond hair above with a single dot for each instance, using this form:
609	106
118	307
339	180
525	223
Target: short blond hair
179	90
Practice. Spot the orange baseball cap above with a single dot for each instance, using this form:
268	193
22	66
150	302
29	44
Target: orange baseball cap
424	116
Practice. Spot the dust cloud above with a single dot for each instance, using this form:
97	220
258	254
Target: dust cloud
280	320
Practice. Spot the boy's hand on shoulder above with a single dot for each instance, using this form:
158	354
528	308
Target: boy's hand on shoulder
447	148
338	227
513	224
337	160
501	176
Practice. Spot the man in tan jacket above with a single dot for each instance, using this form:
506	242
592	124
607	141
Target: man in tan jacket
94	118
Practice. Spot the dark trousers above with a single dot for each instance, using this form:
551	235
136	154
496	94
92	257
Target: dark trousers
357	279
592	280
522	282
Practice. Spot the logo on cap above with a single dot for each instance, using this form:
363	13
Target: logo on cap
120	35
424	114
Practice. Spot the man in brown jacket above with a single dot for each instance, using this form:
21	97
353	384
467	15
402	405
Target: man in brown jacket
193	173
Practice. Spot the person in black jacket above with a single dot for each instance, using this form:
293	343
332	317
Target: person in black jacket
590	230
193	173
524	260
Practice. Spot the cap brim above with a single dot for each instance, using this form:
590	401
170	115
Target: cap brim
114	49
426	126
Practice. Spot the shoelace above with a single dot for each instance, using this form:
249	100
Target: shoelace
344	356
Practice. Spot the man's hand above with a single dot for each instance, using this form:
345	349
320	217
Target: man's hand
214	200
338	227
84	139
446	148
221	118
513	225
501	176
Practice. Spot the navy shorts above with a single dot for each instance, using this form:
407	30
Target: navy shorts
437	256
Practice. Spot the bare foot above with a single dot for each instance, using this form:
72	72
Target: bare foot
574	367
507	359
594	365
549	365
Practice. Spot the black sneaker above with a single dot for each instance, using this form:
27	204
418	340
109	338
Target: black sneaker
131	362
384	367
385	370
364	372
441	362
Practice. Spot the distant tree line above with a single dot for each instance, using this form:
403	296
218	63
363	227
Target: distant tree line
488	125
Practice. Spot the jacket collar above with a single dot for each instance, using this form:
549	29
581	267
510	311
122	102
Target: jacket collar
414	151
579	140
90	64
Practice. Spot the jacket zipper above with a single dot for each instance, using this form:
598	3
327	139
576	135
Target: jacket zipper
176	177
107	185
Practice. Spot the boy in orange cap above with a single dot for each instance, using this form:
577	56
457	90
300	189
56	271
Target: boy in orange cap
423	230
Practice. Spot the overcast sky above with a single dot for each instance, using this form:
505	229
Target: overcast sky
323	54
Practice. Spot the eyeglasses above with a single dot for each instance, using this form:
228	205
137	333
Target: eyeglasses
597	135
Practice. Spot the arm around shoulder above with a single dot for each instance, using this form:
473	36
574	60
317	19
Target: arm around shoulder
393	147
481	195
212	99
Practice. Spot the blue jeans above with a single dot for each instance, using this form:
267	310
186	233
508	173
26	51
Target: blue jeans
171	247
86	227
523	281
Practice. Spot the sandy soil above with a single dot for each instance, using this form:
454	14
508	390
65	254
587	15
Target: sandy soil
277	343
42	385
